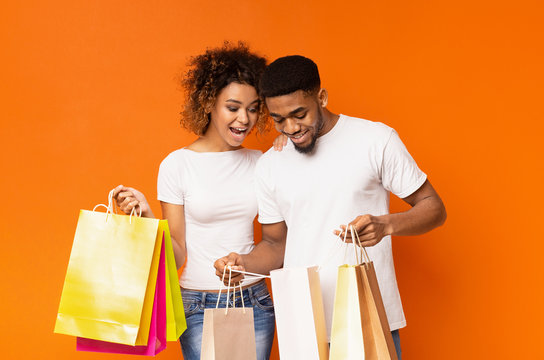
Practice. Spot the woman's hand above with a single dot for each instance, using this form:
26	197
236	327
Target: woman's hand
280	142
235	262
128	198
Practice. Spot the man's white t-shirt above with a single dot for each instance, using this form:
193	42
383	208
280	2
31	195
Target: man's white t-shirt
217	192
350	173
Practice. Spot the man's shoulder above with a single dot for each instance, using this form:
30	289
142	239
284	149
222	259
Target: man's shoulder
271	154
366	127
273	159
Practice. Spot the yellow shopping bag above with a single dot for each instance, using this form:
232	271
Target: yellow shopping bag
347	341
175	315
110	282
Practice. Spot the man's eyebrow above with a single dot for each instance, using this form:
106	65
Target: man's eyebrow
297	110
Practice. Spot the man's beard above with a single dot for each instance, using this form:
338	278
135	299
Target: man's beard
310	147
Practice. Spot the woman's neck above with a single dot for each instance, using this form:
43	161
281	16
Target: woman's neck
208	144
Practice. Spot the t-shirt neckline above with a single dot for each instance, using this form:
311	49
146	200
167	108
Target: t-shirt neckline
335	128
214	152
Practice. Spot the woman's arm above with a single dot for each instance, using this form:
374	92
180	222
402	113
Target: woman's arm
176	222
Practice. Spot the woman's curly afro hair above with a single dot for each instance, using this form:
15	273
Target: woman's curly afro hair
212	71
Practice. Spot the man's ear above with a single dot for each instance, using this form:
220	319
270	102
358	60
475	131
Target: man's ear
323	97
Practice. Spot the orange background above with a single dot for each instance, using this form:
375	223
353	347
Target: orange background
89	99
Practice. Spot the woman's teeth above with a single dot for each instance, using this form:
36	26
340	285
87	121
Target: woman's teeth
238	130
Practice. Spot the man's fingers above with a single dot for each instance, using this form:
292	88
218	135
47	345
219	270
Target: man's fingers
369	243
367	237
342	234
363	221
368	231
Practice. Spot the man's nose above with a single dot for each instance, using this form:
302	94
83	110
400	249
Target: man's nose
291	126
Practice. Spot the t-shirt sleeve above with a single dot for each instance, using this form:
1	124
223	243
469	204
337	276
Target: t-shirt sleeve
169	182
400	173
268	209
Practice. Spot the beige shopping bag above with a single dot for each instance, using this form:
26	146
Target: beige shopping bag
300	318
228	333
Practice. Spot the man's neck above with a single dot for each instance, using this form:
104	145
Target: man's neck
329	120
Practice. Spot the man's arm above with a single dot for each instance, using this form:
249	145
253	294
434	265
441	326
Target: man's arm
266	256
427	213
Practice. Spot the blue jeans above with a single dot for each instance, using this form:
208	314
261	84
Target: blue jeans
256	296
396	340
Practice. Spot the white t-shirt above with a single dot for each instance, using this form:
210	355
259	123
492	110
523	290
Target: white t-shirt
350	173
217	192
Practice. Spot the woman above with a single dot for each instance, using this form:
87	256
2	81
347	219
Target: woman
206	189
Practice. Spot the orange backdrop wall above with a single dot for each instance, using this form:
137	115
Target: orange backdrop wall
89	99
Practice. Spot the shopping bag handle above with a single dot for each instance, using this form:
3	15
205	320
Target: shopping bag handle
228	292
110	209
341	246
360	252
355	235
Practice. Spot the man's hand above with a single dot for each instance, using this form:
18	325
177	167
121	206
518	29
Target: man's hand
371	229
427	213
236	262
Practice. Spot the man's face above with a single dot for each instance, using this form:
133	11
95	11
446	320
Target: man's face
299	116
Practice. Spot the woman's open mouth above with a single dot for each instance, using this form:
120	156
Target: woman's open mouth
238	133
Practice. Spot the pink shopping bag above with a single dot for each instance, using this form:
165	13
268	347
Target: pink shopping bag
157	332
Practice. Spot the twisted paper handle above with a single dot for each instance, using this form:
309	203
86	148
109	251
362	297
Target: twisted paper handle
110	209
228	291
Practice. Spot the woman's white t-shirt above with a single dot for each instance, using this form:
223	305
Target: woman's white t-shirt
218	195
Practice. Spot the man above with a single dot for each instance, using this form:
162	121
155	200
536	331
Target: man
336	171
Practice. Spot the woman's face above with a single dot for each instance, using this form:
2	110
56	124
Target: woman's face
234	114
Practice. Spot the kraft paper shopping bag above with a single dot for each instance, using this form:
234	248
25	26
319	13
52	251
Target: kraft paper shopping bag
228	333
378	341
110	282
377	334
157	333
300	318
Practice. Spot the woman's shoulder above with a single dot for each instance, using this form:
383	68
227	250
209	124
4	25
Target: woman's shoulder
175	157
254	153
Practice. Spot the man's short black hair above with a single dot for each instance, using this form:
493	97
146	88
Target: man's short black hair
289	74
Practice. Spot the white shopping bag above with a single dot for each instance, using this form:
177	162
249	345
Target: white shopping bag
300	319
